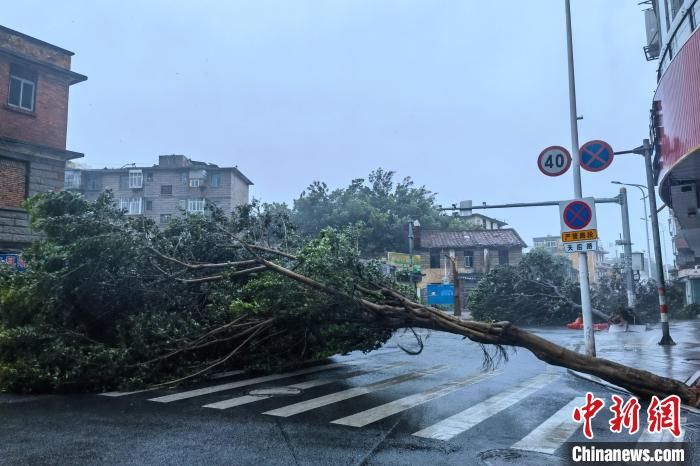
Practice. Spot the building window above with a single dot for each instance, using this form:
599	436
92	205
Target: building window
166	189
434	258
483	222
149	205
123	181
135	179
195	205
184	177
195	183
503	257
149	176
165	218
469	258
93	183
131	205
22	89
215	181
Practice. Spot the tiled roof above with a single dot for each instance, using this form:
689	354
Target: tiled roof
506	237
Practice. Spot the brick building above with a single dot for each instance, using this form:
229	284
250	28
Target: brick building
476	252
160	192
35	77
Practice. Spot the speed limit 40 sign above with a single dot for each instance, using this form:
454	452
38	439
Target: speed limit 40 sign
554	161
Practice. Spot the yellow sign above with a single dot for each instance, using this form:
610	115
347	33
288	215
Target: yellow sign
403	261
583	235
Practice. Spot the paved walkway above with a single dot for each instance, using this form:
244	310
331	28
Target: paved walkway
641	350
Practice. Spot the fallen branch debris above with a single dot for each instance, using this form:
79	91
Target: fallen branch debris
386	307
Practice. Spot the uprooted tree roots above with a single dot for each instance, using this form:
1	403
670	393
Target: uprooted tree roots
384	307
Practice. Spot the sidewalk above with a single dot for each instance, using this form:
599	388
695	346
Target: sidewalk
641	350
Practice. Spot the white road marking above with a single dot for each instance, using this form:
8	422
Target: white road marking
242	383
465	420
246	399
117	394
221	375
663	436
693	378
552	433
326	400
369	416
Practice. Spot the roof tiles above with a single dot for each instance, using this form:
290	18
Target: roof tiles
505	237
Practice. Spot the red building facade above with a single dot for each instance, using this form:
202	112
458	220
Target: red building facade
35	78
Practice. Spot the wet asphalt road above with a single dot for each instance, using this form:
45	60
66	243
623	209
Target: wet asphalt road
394	413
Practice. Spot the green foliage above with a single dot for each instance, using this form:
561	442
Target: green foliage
689	311
537	291
95	303
323	326
378	208
610	294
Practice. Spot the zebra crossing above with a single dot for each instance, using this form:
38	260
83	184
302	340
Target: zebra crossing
547	437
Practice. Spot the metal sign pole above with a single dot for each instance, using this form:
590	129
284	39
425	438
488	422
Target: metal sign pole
582	257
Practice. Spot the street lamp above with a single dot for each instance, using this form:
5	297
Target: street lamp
652	272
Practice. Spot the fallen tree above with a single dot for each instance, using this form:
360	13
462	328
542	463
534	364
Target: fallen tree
381	306
111	302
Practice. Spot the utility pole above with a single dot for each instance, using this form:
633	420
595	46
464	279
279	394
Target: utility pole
663	307
650	269
410	259
410	246
588	337
627	243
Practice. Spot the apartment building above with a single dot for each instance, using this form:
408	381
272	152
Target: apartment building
160	192
35	77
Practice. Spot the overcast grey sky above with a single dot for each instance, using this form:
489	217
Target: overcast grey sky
460	95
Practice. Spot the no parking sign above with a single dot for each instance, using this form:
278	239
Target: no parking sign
579	229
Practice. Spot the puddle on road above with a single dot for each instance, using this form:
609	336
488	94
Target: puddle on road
275	391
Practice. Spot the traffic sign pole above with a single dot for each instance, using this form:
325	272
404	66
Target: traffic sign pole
578	193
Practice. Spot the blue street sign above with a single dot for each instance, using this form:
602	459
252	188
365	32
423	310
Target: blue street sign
596	156
577	215
441	294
